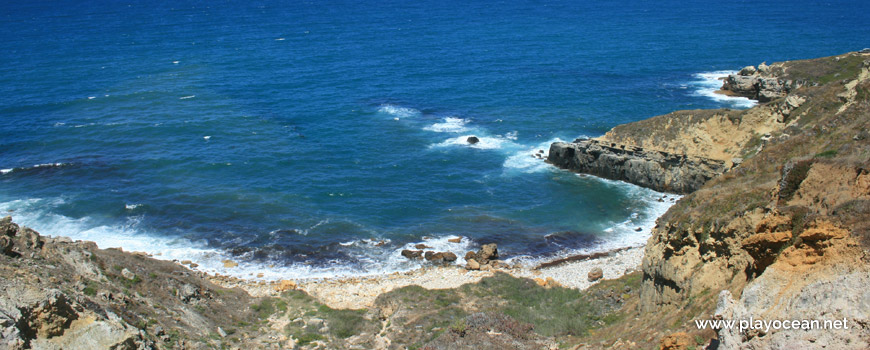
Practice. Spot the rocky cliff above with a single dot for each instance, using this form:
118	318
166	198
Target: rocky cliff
781	231
658	170
788	225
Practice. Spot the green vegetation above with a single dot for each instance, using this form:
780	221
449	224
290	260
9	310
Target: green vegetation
265	308
343	323
90	291
793	175
827	154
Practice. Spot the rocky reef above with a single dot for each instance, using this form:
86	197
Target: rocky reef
658	170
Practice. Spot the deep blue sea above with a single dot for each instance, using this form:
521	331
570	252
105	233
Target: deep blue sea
323	137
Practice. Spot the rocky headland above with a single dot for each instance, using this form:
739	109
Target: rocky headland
774	225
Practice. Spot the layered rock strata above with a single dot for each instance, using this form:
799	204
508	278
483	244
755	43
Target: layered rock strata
658	170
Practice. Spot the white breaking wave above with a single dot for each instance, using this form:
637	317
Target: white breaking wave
484	142
450	124
633	232
531	159
372	257
46	165
710	82
401	112
132	206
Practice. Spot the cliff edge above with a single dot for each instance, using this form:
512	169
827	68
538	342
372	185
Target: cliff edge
782	232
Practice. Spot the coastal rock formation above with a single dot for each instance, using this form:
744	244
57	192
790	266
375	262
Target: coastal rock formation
763	84
60	294
661	171
789	225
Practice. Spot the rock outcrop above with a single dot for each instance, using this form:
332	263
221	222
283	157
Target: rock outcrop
658	170
790	224
764	83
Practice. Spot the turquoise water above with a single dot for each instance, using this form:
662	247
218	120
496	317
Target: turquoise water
303	134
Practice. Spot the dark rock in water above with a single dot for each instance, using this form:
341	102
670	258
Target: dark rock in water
661	171
470	255
638	229
421	246
595	274
455	240
434	257
412	254
472	139
440	257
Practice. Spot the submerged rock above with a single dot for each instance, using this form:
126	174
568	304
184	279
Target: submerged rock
472	139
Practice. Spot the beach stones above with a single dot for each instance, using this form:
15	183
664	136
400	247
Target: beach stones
471	264
455	240
595	274
285	285
422	246
472	139
229	263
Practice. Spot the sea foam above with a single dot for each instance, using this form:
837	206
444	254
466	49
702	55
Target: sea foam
398	111
708	83
450	124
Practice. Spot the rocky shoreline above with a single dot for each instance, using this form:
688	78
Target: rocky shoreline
775	225
657	170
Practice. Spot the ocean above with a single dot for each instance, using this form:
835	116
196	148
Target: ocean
316	139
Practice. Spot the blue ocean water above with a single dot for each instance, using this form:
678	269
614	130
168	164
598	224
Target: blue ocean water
323	137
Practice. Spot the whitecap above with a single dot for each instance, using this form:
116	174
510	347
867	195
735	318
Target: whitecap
708	83
532	159
398	111
484	142
621	234
186	97
449	124
207	137
6	171
132	206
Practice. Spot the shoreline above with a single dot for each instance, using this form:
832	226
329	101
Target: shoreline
360	292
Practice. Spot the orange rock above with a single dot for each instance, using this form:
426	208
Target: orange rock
552	283
285	285
541	282
676	341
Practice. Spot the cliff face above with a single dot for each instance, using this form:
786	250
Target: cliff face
786	233
658	170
